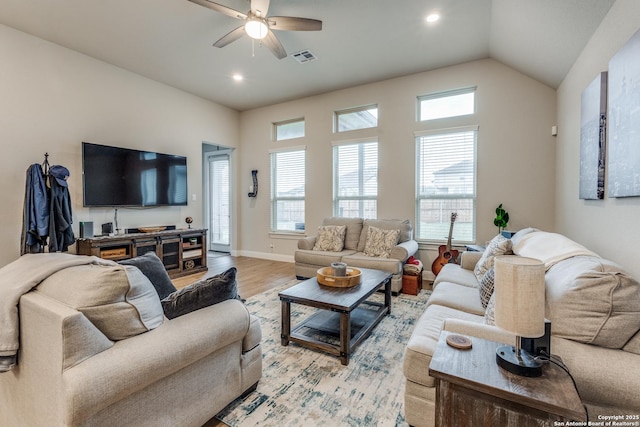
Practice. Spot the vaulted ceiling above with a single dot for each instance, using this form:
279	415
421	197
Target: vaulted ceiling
361	41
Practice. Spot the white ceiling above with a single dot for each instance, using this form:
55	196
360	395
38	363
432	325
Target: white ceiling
361	41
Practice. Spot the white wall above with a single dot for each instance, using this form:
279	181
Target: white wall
53	98
515	150
610	226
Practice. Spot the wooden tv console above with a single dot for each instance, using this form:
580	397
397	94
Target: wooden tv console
182	251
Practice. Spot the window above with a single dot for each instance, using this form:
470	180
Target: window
356	118
446	183
287	190
288	130
447	104
355	180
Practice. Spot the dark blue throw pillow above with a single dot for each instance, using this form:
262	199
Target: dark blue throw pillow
152	267
202	293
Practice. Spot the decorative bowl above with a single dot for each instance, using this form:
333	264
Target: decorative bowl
353	278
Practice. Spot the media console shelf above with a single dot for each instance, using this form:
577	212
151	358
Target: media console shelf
182	251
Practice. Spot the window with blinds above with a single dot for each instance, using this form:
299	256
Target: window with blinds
355	180
446	183
453	103
287	190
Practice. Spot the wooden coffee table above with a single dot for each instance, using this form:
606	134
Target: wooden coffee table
344	312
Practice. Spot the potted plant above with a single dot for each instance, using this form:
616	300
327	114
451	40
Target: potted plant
502	218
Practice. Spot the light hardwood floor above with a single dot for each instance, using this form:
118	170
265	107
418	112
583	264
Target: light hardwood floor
254	276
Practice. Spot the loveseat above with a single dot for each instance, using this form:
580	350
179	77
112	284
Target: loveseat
355	246
96	350
592	303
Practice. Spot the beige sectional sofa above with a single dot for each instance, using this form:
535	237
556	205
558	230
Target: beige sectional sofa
121	362
593	306
352	252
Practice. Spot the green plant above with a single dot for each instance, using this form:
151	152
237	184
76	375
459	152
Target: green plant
502	218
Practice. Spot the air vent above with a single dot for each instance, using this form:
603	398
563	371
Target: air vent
304	56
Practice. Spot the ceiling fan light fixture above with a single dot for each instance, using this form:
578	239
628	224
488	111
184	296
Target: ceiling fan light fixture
256	28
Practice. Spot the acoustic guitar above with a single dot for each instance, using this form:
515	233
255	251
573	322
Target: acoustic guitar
445	253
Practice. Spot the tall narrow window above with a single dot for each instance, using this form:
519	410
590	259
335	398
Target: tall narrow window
446	183
220	202
356	118
288	129
452	103
355	180
287	190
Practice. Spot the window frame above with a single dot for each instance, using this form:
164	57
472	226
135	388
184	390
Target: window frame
446	94
473	196
275	126
361	143
274	199
339	113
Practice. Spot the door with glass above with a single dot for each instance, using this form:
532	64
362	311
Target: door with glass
219	202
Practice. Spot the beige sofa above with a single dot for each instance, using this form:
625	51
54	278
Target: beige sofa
594	308
308	260
182	372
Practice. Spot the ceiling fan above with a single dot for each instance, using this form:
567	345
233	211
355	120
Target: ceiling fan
259	26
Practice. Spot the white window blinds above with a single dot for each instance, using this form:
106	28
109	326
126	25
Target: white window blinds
287	190
355	178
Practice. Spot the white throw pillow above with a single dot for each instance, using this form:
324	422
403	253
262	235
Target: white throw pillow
499	245
330	238
380	242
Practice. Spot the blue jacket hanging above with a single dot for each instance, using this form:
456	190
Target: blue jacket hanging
35	228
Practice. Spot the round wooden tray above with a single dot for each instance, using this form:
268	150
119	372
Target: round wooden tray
353	278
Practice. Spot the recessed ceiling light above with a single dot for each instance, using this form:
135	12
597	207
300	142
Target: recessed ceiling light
432	17
238	77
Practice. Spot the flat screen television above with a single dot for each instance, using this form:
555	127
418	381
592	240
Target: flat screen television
114	176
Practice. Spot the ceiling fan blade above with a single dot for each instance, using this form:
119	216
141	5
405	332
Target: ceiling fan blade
274	45
230	37
220	8
260	7
291	23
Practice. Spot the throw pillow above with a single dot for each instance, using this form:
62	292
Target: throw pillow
118	299
330	238
203	293
490	312
499	245
152	267
380	242
486	287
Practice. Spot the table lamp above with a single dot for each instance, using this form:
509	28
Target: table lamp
519	309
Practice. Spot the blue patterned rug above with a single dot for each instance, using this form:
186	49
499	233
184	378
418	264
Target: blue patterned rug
302	387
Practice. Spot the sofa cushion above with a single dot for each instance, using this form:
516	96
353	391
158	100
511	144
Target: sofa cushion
202	293
499	245
453	273
405	227
459	297
330	238
152	267
424	339
380	242
550	248
359	259
354	229
592	300
633	345
119	300
323	258
486	286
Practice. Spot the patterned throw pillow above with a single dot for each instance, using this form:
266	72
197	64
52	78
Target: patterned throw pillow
499	245
330	238
486	287
380	242
490	313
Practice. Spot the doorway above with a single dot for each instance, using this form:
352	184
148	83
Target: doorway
218	205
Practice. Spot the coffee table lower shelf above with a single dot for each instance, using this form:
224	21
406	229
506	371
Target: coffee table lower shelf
333	323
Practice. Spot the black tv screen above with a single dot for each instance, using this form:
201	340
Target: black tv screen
114	176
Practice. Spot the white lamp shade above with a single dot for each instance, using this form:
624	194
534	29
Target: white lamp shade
519	288
256	29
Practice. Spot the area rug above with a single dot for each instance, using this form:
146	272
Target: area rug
303	387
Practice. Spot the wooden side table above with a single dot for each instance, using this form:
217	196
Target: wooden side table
472	390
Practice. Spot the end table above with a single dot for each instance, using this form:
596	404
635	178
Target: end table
471	389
